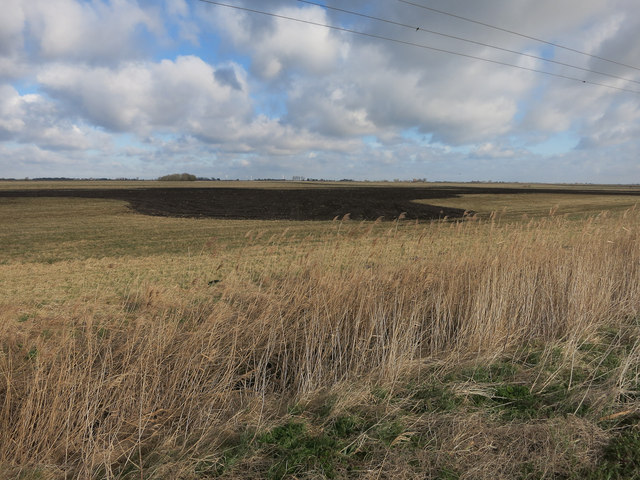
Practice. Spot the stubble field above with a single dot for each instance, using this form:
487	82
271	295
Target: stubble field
175	332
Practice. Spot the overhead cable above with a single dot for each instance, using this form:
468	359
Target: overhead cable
413	44
418	28
517	33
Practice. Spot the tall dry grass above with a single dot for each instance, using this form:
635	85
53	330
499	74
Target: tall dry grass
86	395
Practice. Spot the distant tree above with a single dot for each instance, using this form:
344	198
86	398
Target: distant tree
178	177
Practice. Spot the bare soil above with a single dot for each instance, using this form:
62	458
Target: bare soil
361	202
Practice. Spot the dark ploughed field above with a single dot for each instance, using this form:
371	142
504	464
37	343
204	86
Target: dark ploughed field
361	202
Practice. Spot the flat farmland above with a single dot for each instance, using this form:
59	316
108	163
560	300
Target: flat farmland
325	201
311	330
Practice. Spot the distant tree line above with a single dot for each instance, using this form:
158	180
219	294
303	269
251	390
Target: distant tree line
174	177
69	179
178	177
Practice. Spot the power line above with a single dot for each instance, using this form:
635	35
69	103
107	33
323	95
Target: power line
517	33
413	44
418	28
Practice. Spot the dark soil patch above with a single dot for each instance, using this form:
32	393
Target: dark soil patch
254	203
361	202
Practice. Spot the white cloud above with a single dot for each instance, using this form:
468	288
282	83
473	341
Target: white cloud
11	25
11	111
185	96
177	7
89	31
32	118
618	125
12	22
492	150
371	95
285	44
139	97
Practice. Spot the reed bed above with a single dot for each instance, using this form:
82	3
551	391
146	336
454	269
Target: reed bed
163	377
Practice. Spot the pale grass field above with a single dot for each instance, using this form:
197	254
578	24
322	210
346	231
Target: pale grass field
145	347
519	205
53	229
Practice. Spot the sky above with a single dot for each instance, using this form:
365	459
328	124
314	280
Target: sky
142	88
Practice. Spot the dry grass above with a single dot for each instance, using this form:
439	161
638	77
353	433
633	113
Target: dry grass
50	230
531	204
149	367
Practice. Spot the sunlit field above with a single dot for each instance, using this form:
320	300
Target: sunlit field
521	206
502	344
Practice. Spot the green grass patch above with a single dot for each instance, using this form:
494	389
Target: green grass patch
389	431
447	474
293	450
620	458
234	450
502	371
346	426
517	402
431	398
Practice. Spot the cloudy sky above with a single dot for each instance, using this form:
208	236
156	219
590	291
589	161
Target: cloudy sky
141	88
